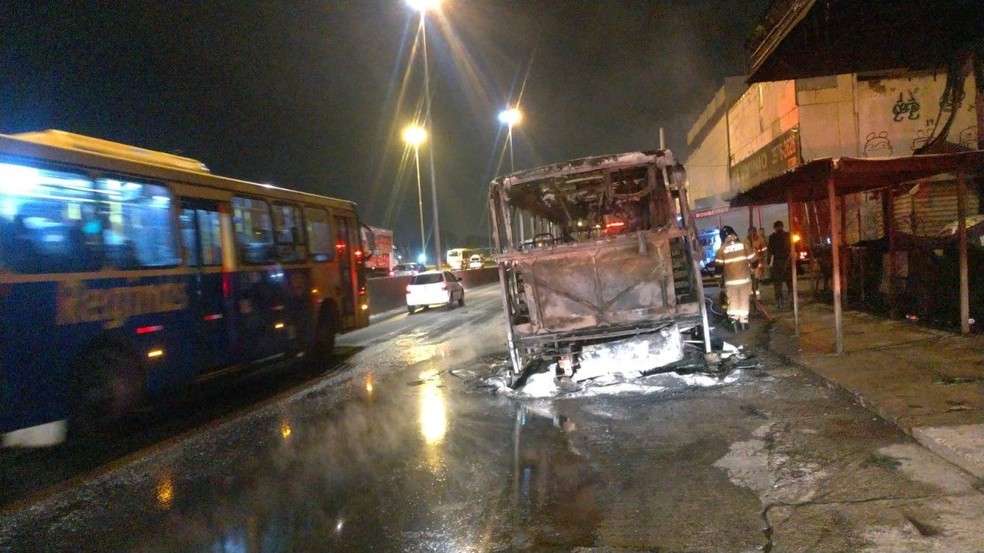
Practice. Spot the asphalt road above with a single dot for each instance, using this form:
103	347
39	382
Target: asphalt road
398	446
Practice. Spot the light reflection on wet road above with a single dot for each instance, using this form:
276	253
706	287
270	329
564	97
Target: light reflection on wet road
401	449
396	454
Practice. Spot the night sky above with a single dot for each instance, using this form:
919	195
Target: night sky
307	94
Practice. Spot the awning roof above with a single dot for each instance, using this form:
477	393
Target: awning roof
796	39
808	181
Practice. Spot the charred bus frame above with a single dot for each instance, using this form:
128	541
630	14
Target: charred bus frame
612	256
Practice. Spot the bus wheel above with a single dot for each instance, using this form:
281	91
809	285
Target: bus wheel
108	386
324	335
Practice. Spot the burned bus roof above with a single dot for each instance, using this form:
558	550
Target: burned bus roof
585	165
565	190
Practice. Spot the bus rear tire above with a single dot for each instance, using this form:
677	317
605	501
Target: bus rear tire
108	386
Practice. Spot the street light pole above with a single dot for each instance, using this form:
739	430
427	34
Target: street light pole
414	135
512	162
512	116
438	257
422	6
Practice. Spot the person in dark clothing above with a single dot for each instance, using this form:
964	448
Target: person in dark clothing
779	245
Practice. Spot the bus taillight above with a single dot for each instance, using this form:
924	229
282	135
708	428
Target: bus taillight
226	285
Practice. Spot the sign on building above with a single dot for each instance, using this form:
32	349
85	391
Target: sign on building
777	156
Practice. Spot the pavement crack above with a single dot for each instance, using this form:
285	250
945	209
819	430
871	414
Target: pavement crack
767	530
814	503
924	529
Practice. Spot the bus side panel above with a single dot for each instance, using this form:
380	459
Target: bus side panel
148	315
213	311
151	315
300	313
270	307
34	375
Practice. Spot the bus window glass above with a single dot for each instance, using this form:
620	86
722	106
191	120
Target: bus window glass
48	220
208	235
188	236
136	224
208	228
254	232
287	230
319	234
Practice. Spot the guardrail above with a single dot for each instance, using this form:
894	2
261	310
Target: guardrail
390	292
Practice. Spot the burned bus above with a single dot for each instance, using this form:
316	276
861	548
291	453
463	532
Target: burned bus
599	265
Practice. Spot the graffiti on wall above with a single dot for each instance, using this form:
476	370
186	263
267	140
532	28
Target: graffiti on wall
897	116
922	138
968	138
906	109
877	145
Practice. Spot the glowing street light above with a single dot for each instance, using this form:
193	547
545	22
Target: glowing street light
423	5
510	117
415	136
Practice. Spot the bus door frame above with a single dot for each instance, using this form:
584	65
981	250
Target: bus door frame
210	289
346	228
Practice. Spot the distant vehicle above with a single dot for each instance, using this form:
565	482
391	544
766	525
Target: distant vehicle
476	261
710	241
405	269
381	261
458	258
432	288
128	274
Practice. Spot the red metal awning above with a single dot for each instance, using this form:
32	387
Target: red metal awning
828	178
808	181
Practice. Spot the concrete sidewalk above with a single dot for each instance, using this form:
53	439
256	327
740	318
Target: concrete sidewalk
929	383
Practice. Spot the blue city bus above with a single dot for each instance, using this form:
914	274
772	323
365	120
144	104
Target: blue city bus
126	274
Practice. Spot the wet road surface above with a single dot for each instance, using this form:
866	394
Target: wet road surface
402	448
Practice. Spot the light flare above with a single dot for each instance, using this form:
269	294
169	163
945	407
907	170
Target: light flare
165	493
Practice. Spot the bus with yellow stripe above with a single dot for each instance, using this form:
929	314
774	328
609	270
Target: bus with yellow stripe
127	273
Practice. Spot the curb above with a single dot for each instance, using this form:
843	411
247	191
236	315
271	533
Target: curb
936	439
939	440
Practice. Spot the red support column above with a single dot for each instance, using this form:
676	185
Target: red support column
835	239
962	230
792	265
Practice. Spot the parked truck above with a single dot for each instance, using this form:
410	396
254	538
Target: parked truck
382	260
599	264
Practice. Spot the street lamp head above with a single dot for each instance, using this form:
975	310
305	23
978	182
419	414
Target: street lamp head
423	5
510	116
414	135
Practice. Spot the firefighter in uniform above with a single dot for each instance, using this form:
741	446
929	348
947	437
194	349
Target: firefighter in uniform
734	260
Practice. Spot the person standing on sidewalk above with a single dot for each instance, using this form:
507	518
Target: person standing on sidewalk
779	268
734	258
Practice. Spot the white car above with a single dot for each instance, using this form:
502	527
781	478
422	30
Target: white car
476	262
432	288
